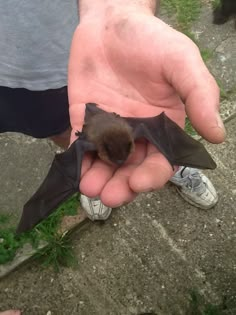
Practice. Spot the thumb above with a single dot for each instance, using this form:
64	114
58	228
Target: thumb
199	92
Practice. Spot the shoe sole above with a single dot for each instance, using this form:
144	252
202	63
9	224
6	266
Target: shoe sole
194	203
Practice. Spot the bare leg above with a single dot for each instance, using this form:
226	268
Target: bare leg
62	140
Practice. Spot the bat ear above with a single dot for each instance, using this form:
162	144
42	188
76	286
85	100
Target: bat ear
91	110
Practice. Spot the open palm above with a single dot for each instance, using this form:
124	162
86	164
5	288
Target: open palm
138	66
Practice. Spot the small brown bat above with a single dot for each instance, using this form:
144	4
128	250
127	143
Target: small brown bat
112	138
224	12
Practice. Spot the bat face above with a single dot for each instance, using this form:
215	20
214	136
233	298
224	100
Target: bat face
112	137
115	146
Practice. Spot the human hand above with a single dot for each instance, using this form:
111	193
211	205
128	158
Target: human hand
131	63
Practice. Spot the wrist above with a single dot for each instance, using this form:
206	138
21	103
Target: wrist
107	8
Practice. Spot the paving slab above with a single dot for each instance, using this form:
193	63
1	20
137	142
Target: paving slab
24	164
147	257
220	40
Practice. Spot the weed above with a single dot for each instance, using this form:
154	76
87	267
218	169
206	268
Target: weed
4	218
8	245
198	305
215	3
206	54
186	11
189	128
44	231
58	252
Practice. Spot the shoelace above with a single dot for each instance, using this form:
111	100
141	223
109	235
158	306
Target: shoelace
96	202
193	180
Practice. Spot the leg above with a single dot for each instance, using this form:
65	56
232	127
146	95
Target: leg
44	114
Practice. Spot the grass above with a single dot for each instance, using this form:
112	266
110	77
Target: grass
4	218
8	245
215	3
185	11
206	54
198	306
189	128
58	252
59	249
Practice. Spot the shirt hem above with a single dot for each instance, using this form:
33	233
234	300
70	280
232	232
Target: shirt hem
35	86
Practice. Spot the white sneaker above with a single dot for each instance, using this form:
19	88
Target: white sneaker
195	187
94	208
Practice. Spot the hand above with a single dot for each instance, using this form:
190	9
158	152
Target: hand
136	65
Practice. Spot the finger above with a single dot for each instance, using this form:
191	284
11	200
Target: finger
152	174
95	178
117	191
77	113
188	74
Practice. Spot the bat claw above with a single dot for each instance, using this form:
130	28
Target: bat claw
78	133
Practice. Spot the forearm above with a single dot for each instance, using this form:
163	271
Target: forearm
90	7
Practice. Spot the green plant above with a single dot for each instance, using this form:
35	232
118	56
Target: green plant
47	231
4	218
185	11
8	245
206	54
198	305
58	252
215	3
189	128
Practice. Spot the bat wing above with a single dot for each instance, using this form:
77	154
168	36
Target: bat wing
177	146
61	182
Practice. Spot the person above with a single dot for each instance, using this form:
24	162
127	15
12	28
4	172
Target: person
121	57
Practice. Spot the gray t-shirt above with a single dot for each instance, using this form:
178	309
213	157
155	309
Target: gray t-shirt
35	39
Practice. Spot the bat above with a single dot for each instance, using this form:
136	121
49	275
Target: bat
112	138
224	11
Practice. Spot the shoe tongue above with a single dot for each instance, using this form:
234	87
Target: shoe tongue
185	172
191	175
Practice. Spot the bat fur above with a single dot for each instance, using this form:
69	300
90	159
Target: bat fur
112	136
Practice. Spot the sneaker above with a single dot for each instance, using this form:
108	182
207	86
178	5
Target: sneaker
94	208
195	187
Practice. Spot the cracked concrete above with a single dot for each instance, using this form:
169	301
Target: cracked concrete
29	159
220	39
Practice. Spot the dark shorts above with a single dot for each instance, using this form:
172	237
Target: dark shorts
39	114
